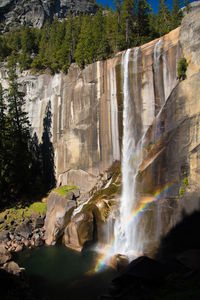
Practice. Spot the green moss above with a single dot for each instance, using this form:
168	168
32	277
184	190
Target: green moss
184	185
38	207
148	147
18	214
63	190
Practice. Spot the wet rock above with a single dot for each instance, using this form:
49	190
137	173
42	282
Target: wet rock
4	254
37	240
79	231
25	230
119	262
12	268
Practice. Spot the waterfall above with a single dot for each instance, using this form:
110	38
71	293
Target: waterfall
126	241
79	208
160	97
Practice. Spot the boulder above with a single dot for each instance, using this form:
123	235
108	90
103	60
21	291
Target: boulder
132	280
79	231
59	210
119	262
4	235
12	268
38	222
4	254
25	230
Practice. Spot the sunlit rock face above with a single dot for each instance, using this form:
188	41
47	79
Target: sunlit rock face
86	107
169	174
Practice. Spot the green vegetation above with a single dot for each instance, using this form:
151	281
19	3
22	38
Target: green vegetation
85	39
18	214
182	68
63	190
26	167
183	186
38	207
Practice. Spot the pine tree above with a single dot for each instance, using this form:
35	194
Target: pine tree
176	15
187	6
100	40
142	22
18	135
129	13
3	145
163	18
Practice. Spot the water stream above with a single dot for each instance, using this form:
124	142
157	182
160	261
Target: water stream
125	230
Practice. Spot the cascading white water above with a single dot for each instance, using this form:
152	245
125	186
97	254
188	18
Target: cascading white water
158	73
79	208
125	231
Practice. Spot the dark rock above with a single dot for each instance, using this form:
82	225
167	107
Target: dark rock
4	235
145	268
11	236
37	240
140	272
25	230
4	254
38	222
18	238
190	258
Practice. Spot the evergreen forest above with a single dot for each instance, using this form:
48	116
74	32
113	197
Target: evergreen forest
85	39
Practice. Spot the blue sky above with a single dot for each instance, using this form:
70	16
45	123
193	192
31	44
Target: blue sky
154	3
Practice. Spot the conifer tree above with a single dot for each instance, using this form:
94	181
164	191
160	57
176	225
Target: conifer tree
129	11
142	22
176	15
163	18
18	135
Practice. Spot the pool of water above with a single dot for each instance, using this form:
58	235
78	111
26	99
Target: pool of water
60	273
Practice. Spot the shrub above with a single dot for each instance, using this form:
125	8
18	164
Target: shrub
182	68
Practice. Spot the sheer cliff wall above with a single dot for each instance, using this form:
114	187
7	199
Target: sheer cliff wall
86	106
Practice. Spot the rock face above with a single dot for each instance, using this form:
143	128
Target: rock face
36	12
169	176
79	231
59	210
86	107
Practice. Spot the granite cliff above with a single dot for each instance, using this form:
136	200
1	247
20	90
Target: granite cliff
35	12
87	128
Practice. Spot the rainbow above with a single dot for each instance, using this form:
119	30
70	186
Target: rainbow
145	203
